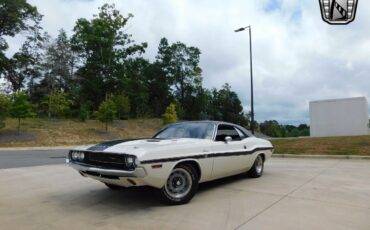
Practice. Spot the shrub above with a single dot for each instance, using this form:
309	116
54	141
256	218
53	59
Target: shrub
170	116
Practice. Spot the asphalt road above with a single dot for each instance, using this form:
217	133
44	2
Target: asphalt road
26	158
292	194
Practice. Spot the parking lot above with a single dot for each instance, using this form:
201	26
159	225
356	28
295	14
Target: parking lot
292	194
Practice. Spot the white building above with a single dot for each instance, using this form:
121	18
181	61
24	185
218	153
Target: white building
339	117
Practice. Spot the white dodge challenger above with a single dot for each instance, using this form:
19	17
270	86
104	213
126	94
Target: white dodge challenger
176	159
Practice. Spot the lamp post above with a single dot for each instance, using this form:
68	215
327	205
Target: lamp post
251	68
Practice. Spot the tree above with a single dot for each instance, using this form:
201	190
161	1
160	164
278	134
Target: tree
4	107
170	115
25	65
107	112
271	128
103	46
83	113
21	108
59	64
58	104
135	85
158	89
15	16
226	106
181	65
122	103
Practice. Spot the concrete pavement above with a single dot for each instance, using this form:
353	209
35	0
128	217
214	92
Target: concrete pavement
292	194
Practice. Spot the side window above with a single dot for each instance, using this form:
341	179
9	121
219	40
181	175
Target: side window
227	130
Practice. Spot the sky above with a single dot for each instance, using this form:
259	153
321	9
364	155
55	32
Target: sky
297	57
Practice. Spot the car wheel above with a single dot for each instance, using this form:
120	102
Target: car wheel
113	186
180	186
257	168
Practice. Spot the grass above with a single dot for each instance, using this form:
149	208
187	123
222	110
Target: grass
62	132
354	145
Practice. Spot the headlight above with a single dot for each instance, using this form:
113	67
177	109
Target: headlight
75	155
130	160
137	162
81	156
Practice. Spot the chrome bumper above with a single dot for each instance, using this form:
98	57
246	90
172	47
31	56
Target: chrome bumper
138	172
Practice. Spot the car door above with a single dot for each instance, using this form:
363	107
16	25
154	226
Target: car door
228	156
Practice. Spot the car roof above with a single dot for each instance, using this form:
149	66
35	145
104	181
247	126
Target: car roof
216	123
206	121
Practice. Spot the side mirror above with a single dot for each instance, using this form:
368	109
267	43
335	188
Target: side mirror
228	139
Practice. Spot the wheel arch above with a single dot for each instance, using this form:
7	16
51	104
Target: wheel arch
191	162
263	156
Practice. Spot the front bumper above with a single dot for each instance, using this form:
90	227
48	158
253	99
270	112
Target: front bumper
137	173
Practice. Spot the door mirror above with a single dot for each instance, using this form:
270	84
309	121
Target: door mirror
228	139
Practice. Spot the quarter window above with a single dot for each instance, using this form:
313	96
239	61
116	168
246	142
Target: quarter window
227	130
241	133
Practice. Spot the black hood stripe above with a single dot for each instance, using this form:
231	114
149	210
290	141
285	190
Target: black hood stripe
208	155
108	144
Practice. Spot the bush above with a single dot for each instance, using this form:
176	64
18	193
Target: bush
170	116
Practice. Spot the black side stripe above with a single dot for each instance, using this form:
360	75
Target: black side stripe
208	155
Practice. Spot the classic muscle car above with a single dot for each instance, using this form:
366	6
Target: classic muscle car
176	159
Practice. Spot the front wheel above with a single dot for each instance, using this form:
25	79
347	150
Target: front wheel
257	168
180	186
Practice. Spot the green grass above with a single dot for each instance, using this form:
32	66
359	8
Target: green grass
354	145
59	132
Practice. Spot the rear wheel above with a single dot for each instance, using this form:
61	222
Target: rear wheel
257	168
180	186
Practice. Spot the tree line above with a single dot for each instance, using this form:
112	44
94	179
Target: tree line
100	72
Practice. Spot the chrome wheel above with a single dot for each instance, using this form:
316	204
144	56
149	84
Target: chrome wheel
259	165
179	183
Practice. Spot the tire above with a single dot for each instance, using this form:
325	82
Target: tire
113	186
181	185
257	168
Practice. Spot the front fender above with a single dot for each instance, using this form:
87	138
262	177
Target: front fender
157	177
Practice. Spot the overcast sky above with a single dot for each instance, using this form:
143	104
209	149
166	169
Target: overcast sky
296	56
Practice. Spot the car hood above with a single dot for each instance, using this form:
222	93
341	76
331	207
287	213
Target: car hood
140	147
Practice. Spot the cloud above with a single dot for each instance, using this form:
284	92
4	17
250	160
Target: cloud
296	56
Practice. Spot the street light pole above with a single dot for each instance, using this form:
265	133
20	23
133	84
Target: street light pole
251	68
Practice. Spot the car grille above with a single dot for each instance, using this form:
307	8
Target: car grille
105	160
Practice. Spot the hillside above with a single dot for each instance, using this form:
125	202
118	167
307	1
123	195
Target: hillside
55	132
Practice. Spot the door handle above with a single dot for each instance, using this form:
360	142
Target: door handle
205	150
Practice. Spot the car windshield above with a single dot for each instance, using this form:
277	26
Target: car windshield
187	130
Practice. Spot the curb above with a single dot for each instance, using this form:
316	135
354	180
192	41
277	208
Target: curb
321	156
36	148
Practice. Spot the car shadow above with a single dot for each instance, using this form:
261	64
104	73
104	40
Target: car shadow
135	199
208	186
